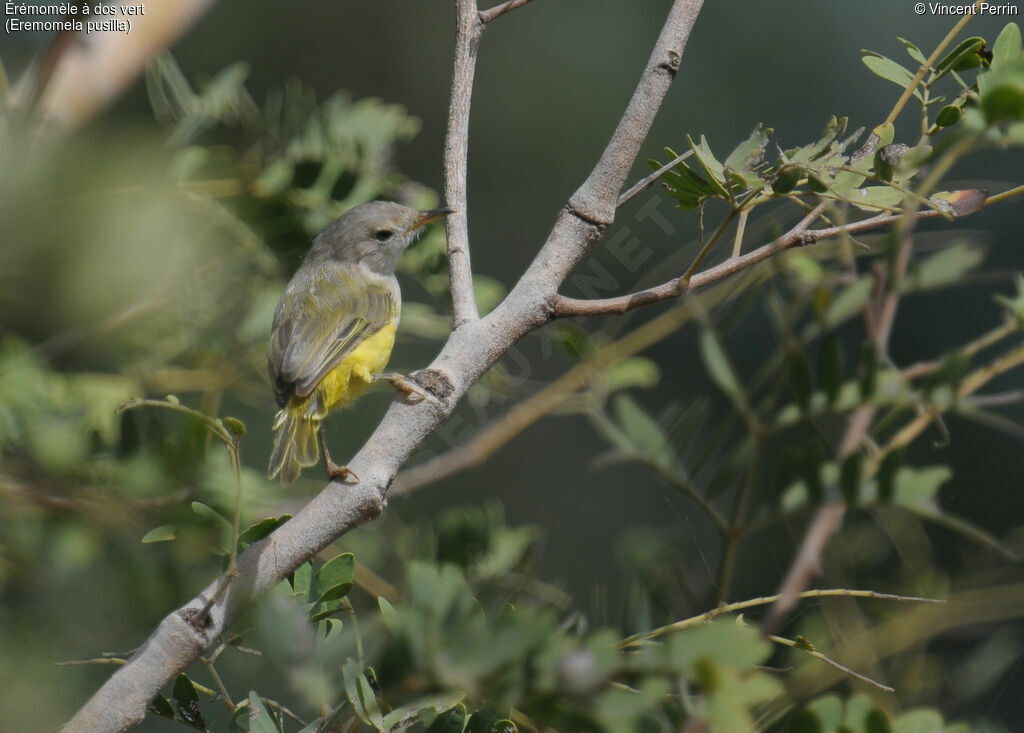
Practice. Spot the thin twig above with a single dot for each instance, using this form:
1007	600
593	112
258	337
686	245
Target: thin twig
486	16
727	608
805	646
456	155
644	183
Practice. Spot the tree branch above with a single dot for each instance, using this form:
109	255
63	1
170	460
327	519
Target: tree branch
90	76
486	16
799	235
468	29
591	209
470	350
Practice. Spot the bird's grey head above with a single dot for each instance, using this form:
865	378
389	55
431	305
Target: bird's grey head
374	234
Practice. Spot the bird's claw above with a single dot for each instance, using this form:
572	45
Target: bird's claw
411	392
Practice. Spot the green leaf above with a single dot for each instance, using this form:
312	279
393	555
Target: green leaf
912	50
370	704
811	470
187	701
885	479
829	710
1002	92
236	426
408	715
302	579
849	303
868	369
322	611
256	532
948	115
876	198
450	721
351	676
786	179
918	486
645	436
163	533
260	719
849	477
722	642
211	514
636	371
945	267
1007	47
683	183
712	167
805	721
1014	306
334	578
750	152
888	69
922	720
720	369
161	706
275	178
964	56
390	616
830	367
877	722
799	375
490	721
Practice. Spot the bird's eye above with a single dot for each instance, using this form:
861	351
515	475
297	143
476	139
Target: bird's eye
383	235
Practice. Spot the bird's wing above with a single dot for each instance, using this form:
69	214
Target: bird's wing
320	322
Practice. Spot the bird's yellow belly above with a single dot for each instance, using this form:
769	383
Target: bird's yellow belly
354	374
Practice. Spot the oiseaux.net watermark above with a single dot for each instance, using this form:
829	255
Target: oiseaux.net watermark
971	9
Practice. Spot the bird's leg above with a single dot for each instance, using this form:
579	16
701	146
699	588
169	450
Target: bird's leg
412	392
334	471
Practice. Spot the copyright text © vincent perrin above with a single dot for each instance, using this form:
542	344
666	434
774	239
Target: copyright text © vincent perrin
973	9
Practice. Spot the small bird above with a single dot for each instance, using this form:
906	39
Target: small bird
335	327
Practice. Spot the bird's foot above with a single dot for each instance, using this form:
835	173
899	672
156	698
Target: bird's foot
334	471
410	391
340	473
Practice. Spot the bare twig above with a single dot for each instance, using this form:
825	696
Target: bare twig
644	183
486	16
805	646
726	608
469	28
799	235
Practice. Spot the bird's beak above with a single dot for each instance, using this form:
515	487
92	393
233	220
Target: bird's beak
428	216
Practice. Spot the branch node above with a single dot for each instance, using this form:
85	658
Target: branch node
671	62
588	218
435	382
197	619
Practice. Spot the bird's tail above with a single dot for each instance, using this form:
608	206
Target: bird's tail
295	444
